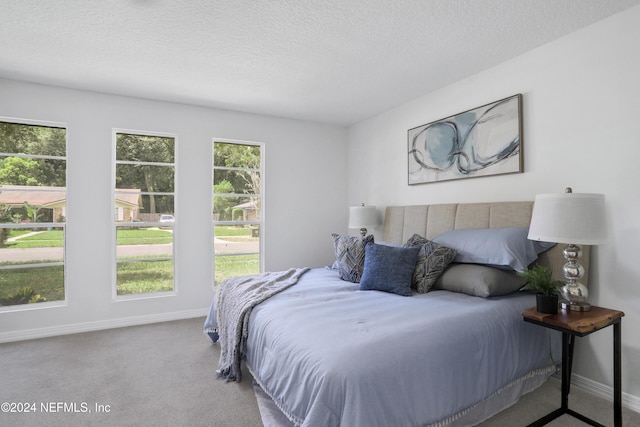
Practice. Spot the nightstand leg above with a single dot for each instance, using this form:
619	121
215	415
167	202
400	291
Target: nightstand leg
567	356
572	343
617	375
568	344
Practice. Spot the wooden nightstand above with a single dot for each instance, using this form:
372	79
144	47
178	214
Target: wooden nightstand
579	324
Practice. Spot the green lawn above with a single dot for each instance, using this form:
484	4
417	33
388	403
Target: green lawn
235	265
144	277
45	239
48	282
228	231
144	237
133	277
54	238
17	232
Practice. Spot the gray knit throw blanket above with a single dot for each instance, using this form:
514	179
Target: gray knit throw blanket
236	297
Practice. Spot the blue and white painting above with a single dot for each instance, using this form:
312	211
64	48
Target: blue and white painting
480	142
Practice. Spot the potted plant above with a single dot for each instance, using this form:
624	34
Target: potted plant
539	280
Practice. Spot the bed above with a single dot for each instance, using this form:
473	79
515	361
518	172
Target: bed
331	354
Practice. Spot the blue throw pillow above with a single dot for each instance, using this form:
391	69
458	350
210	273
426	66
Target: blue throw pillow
388	268
499	247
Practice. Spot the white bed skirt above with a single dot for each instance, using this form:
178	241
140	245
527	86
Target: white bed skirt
497	402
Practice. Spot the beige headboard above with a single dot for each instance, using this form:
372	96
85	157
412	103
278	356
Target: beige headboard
401	222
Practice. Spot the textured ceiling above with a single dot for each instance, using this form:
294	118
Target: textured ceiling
333	61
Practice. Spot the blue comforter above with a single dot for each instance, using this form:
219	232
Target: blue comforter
331	355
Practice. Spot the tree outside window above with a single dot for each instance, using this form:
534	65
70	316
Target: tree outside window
237	208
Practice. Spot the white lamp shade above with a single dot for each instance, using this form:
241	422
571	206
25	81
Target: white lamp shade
363	216
577	218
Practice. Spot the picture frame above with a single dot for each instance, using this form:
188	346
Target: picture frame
483	141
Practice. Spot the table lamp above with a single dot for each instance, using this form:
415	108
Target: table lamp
573	219
362	217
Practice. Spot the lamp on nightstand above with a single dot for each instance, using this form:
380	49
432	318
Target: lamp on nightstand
570	218
362	217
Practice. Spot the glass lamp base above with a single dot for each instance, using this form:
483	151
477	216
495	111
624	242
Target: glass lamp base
574	293
575	306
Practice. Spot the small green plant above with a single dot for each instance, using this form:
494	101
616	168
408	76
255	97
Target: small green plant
539	280
23	296
7	216
32	213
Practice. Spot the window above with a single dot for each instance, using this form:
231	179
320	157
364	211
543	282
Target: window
33	198
237	208
144	213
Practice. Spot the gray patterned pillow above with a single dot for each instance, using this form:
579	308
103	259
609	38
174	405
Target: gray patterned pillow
433	258
349	251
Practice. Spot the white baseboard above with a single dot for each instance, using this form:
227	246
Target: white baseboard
100	325
604	391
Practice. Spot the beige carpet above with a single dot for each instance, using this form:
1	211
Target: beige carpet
164	375
153	375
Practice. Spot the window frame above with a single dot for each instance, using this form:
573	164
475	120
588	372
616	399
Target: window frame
115	224
63	225
261	195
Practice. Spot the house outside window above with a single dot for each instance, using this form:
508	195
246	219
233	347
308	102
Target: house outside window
238	208
144	213
33	197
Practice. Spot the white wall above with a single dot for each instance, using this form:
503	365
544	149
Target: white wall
581	129
305	172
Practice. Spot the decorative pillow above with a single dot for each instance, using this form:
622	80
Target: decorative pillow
433	258
507	247
388	268
397	245
349	251
479	280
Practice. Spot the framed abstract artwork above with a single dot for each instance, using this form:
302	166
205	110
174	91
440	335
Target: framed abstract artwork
480	142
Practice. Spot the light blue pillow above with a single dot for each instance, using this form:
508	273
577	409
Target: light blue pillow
500	247
388	268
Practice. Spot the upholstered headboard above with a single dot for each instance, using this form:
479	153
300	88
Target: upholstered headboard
401	222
